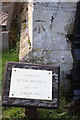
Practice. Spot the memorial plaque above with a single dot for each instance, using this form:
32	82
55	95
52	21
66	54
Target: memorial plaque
31	85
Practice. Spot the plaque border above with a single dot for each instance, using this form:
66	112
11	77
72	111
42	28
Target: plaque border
35	103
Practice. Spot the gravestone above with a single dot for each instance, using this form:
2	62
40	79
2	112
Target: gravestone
49	23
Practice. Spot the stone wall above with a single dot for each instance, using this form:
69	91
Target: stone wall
51	23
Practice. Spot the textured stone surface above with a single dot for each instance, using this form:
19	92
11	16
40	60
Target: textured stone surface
25	47
52	22
49	21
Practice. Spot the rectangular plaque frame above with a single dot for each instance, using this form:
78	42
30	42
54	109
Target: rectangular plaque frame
37	103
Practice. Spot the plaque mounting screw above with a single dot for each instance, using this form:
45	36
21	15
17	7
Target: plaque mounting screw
12	94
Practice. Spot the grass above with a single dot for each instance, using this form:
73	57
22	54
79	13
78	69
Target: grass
10	54
60	113
15	113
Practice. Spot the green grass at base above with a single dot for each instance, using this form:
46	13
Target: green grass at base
15	113
9	55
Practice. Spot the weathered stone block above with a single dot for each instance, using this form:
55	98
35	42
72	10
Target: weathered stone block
49	24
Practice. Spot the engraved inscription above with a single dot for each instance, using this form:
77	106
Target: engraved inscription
40	28
31	84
